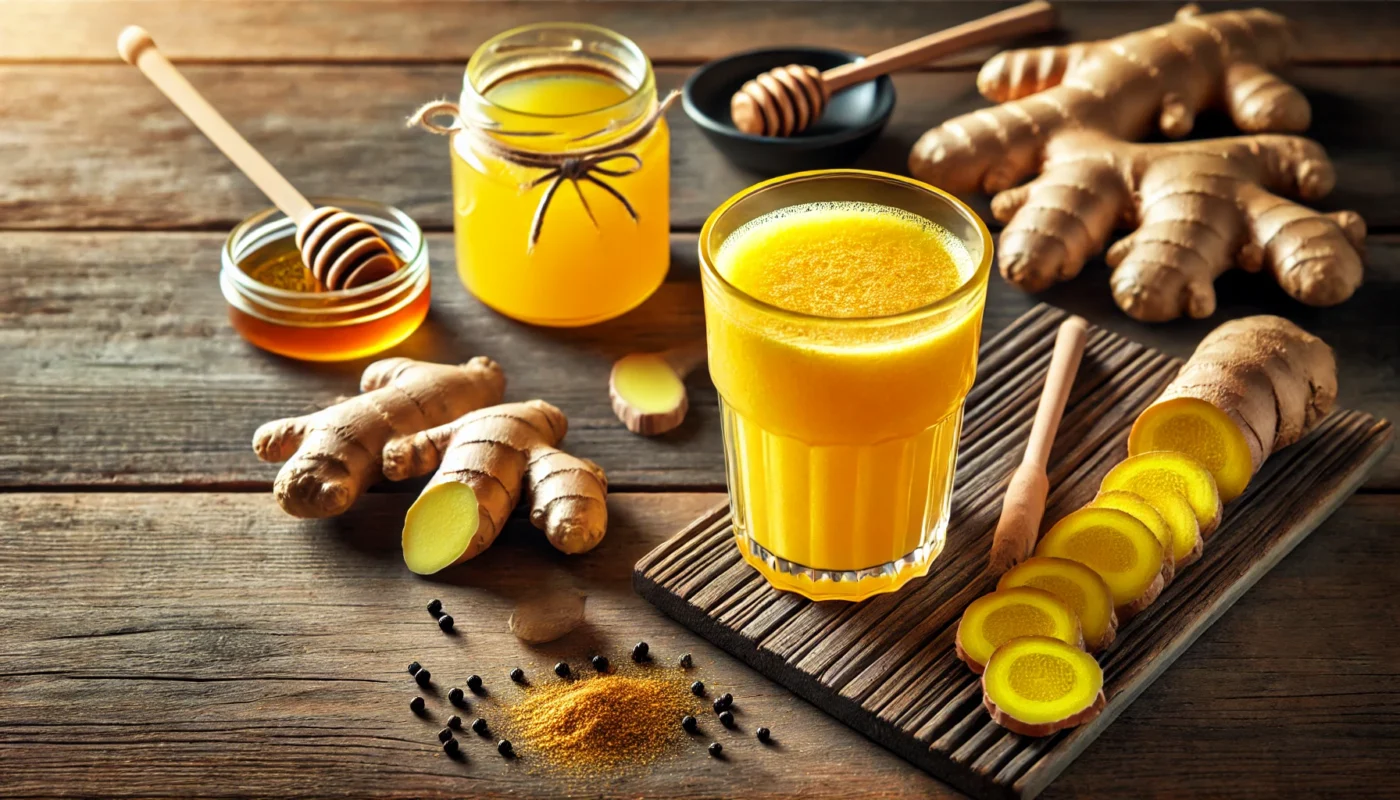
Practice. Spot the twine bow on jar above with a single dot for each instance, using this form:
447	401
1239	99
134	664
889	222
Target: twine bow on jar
611	160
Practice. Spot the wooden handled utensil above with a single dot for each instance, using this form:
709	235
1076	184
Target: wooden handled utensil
339	248
1021	511
784	101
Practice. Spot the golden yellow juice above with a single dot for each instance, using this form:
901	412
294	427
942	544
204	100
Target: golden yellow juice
585	267
842	381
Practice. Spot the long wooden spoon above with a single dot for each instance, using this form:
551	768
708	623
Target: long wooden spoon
784	101
1021	511
341	250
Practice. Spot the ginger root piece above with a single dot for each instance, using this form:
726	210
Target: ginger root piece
482	460
1036	685
1123	551
648	389
333	455
1148	515
1078	587
1151	475
996	618
1253	387
1072	114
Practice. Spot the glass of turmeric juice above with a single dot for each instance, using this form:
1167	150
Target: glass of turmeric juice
843	311
555	89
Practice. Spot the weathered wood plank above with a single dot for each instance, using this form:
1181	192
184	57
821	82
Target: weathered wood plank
134	663
339	130
117	367
354	30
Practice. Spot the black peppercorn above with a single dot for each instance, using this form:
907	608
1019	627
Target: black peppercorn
561	669
479	725
445	622
686	661
455	696
504	748
416	705
435	606
517	675
444	734
688	722
716	748
697	689
423	676
764	735
474	683
723	701
452	748
600	663
454	722
726	718
640	652
414	667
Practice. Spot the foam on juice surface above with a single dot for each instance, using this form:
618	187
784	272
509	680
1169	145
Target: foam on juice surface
844	259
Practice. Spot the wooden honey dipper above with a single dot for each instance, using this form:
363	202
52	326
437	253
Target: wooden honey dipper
341	250
785	100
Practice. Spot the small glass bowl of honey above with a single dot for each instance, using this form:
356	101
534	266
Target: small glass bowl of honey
275	303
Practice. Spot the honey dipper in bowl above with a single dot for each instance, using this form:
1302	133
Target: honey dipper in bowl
341	250
784	101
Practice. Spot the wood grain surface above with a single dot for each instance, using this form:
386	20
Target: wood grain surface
887	666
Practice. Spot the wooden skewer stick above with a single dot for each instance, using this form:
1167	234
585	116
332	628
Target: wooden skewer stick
639	415
342	250
784	101
1021	511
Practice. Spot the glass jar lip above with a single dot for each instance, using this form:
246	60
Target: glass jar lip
973	283
414	263
647	82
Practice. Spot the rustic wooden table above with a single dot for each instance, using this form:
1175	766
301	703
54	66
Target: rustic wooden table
166	630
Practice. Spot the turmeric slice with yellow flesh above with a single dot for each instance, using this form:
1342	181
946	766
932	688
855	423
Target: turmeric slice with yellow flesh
1003	615
1078	587
1160	471
1036	685
1114	544
1148	515
1184	543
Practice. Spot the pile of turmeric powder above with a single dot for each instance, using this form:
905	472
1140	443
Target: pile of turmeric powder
602	723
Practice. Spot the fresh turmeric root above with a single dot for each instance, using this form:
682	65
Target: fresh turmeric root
994	619
334	454
1078	587
1253	386
482	460
1071	115
1036	685
1123	551
1162	472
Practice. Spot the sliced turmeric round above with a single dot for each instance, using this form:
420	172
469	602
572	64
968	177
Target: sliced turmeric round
1148	515
1202	431
1036	685
1161	471
1006	614
1184	542
1123	551
1078	587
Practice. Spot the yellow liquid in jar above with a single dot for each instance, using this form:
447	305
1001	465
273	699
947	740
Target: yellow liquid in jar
841	447
578	273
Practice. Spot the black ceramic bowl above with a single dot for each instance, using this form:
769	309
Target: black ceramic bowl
850	123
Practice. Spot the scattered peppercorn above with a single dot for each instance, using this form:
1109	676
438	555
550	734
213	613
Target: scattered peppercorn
640	652
504	748
416	705
686	661
454	722
517	675
423	676
445	622
452	748
562	669
764	735
435	606
688	722
444	734
723	701
414	667
697	689
474	683
726	718
600	663
455	696
716	748
479	725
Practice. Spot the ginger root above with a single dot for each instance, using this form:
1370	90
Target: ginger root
1123	551
1072	114
1163	472
333	455
1078	587
1253	386
994	619
1148	515
1036	685
482	460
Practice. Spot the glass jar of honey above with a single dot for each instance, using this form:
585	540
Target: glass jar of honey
274	302
549	246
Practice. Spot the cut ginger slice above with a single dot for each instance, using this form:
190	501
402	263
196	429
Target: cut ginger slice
1123	551
1078	587
1184	543
1006	614
1162	471
440	528
1148	515
1036	685
1200	430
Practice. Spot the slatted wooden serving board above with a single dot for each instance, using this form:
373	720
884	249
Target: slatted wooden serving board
886	666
